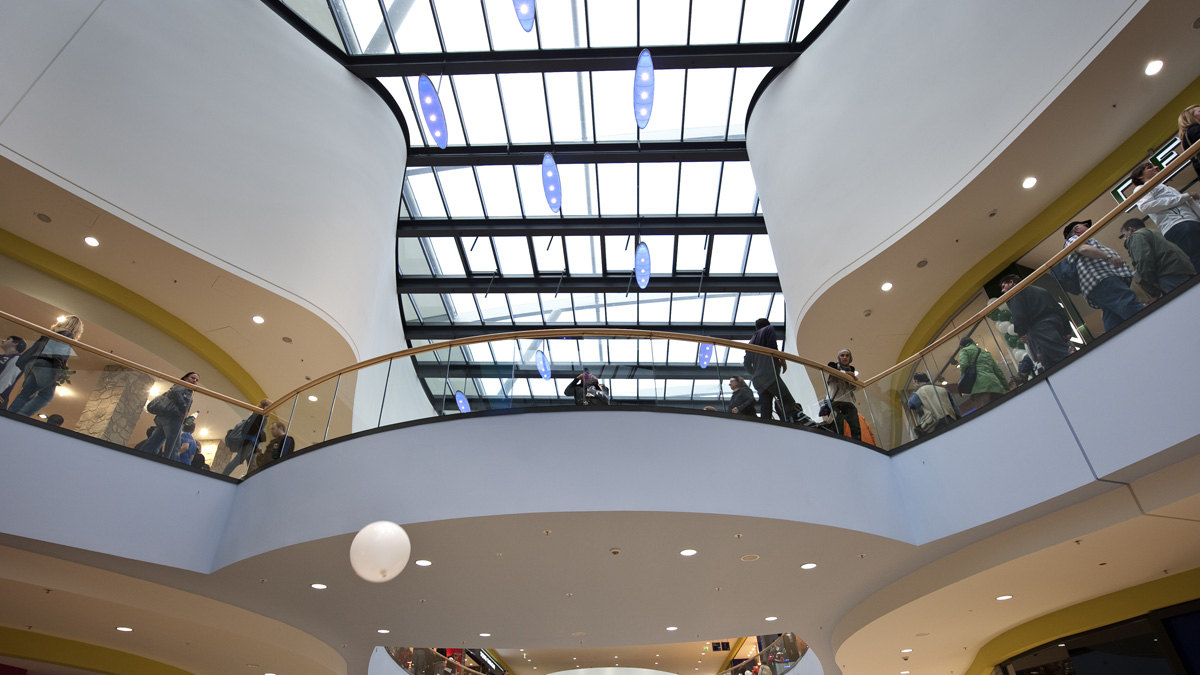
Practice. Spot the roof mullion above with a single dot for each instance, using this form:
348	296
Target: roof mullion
479	188
587	22
746	253
592	103
796	25
720	178
729	112
487	25
520	195
741	21
504	113
387	23
461	119
437	24
689	22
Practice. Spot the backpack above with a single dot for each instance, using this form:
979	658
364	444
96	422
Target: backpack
1067	276
239	433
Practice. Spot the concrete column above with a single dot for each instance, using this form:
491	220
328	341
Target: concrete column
116	404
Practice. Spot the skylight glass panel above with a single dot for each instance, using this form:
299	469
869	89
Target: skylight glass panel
612	23
589	351
589	307
813	12
698	188
506	29
612	99
480	353
659	183
618	252
462	194
692	252
752	307
462	307
686	308
564	354
525	107
662	252
369	29
666	120
430	307
729	252
620	308
462	25
491	386
561	25
622	350
505	351
493	307
718	308
556	309
706	110
424	357
583	255
525	308
683	351
549	254
715	21
410	257
579	190
570	99
746	81
677	389
533	195
707	389
479	97
446	260
761	259
520	388
415	31
395	87
499	187
767	20
426	199
409	310
737	189
654	308
663	22
777	314
479	255
623	388
651	390
454	131
514	255
541	388
618	189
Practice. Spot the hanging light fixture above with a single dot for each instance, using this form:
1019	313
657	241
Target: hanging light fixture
643	89
550	182
431	110
461	399
641	265
380	551
706	350
543	364
526	10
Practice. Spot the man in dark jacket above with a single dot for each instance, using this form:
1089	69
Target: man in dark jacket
764	372
741	402
1040	322
1161	265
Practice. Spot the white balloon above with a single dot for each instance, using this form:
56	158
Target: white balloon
380	551
1011	330
1019	355
1003	326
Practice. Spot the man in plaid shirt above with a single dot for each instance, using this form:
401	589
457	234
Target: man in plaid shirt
1103	276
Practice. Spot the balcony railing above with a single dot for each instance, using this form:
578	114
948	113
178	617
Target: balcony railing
105	397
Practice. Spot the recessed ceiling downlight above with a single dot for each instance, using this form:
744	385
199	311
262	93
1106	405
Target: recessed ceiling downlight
313	399
485	635
319	587
383	631
258	319
887	286
749	557
1154	67
772	618
1029	182
125	629
422	563
688	552
808	566
1004	597
91	241
672	627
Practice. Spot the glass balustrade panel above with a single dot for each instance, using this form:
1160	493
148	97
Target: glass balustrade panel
358	404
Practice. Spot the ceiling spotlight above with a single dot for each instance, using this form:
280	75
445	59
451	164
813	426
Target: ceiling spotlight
750	557
125	629
257	319
485	635
426	563
672	627
808	566
320	587
1029	182
383	631
905	651
688	552
313	399
1153	67
887	286
771	618
91	241
904	672
43	217
1004	597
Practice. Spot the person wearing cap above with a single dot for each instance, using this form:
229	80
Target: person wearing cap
1039	321
10	348
932	405
1103	276
1177	214
1161	265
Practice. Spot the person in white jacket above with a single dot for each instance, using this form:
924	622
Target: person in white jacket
1177	214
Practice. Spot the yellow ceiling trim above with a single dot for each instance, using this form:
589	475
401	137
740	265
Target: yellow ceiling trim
1079	195
100	286
737	647
25	644
1096	613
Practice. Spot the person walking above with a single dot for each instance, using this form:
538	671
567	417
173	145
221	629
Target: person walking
45	364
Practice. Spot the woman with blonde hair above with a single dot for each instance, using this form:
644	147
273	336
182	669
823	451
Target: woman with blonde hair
44	364
1189	131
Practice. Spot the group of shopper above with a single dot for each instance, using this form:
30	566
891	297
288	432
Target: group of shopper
41	366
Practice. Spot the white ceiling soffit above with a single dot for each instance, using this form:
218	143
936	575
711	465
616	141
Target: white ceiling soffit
896	108
220	129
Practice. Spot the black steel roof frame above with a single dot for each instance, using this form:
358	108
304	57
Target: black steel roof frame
446	331
585	225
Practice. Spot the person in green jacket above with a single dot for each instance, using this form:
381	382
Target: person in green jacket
1161	265
991	382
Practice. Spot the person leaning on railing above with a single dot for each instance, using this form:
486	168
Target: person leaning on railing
1161	265
841	396
1177	214
44	365
1040	322
243	439
1104	277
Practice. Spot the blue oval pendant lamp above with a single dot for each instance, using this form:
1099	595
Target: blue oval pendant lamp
643	89
526	10
461	399
543	364
641	265
706	351
431	110
550	182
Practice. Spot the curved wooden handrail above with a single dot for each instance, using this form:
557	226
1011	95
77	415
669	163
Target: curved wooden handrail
1169	169
133	365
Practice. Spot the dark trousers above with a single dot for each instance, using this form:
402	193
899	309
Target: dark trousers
769	392
1186	235
847	413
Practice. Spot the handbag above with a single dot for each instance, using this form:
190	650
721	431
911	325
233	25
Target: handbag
967	382
160	405
27	357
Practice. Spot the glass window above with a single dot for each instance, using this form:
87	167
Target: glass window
718	307
408	310
658	184
583	255
561	25
525	107
620	309
444	88
663	22
707	108
415	31
462	307
445	260
369	29
715	21
589	307
570	98
618	189
411	257
556	307
499	187
618	252
425	197
752	307
612	97
430	307
761	259
746	81
480	99
662	253
666	119
479	255
505	28
514	255
579	190
533	195
692	252
462	25
395	87
494	308
737	189
777	315
612	23
686	308
462	194
654	307
698	183
549	253
525	307
728	254
767	20
814	11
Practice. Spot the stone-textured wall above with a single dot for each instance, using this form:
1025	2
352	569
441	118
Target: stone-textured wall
115	405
